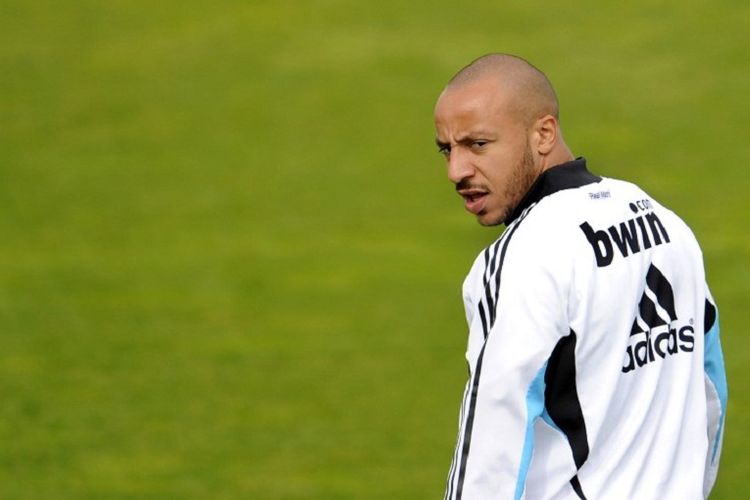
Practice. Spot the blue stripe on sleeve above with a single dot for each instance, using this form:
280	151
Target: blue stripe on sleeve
534	409
713	364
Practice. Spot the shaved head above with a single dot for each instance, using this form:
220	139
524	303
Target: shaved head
530	93
497	126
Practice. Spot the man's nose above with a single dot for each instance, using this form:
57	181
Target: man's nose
459	166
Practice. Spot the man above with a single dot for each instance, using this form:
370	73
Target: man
594	357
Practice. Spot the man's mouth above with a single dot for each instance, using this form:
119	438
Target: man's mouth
473	199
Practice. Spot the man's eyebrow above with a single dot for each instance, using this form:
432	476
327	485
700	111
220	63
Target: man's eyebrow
467	138
473	135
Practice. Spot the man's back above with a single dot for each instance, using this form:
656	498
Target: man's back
587	362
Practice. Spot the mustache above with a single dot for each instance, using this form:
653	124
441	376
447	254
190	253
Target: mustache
466	184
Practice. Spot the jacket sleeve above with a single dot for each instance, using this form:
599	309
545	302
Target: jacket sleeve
527	331
716	391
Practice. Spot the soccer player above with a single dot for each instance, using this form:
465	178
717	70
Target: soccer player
595	368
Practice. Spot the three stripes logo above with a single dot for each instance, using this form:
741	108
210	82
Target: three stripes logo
656	332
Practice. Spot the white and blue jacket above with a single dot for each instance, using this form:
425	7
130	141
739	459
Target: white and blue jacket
595	367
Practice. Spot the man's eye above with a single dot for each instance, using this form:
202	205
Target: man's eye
478	144
444	150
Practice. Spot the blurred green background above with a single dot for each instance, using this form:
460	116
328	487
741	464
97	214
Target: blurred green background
231	260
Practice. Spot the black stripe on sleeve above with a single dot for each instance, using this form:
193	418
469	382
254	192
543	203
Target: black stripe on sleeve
483	317
469	425
487	288
502	258
452	471
463	458
709	317
577	487
561	397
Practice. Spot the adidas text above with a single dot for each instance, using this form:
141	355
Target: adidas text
658	343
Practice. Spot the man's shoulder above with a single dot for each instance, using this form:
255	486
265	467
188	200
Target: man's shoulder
550	230
564	210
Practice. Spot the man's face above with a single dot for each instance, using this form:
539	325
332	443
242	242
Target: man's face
487	149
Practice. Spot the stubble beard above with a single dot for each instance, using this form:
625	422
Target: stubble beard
524	176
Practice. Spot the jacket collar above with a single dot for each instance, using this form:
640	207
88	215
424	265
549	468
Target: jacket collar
568	175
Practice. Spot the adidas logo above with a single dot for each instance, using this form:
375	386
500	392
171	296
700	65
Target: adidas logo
655	332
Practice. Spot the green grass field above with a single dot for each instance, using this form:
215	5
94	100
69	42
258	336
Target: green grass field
231	261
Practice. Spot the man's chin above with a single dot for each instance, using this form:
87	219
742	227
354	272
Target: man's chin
488	219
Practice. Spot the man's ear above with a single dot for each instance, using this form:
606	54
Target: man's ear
546	134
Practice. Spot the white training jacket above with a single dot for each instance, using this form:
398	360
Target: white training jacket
595	368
